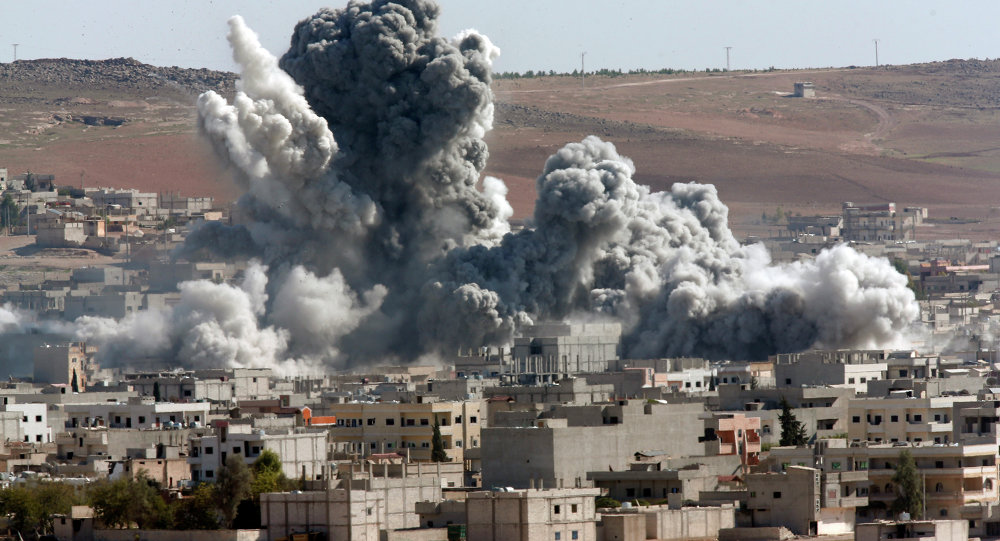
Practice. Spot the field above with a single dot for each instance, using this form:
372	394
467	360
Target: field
926	135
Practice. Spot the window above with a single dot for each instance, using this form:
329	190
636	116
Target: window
574	534
424	422
38	418
371	421
850	380
236	450
572	508
856	419
629	492
472	419
209	474
390	422
209	450
777	495
943	513
38	437
409	422
458	420
788	381
142	419
558	536
918	418
687	384
864	380
555	509
24	419
894	418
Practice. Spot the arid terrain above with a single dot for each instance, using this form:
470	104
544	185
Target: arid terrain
926	135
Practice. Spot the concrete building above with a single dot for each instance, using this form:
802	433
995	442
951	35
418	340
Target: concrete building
64	363
559	514
303	451
224	385
734	434
547	352
804	89
131	199
45	302
853	368
368	428
108	304
560	447
34	421
822	410
650	481
665	523
359	508
807	501
960	479
137	412
903	419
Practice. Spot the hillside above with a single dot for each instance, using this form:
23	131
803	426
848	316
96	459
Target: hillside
918	135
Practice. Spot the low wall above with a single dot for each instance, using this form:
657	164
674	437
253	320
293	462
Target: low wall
179	535
415	534
755	534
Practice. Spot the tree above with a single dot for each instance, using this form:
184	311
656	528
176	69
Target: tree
909	488
10	213
126	501
437	445
156	391
267	475
793	432
232	486
197	511
75	384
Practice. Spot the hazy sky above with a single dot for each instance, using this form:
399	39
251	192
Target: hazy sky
537	34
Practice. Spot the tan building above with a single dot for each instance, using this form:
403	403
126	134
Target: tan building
561	514
925	530
366	428
902	419
960	479
807	501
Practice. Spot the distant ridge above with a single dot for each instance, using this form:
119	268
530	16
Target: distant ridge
114	74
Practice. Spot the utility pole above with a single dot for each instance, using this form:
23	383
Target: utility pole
15	50
876	52
727	57
583	72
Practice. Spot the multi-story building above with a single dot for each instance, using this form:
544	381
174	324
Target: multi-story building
223	385
822	410
903	419
561	514
368	428
34	421
137	412
303	451
548	352
807	501
959	479
853	368
734	434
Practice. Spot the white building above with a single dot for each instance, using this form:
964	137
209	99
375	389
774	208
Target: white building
138	412
34	421
303	451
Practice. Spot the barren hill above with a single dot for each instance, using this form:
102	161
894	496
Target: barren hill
921	134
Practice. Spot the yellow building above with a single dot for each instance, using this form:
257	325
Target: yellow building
384	427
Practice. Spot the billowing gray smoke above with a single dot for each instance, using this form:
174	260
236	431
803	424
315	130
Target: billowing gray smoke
361	152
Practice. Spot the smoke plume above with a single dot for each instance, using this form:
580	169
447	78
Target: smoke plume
360	153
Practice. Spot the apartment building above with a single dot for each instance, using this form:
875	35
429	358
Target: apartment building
223	385
34	426
823	410
303	451
959	479
548	352
138	412
903	419
567	514
848	368
365	428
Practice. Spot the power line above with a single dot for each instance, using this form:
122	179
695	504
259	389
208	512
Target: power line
583	73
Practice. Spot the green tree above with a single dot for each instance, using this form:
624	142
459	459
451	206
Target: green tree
10	213
233	485
197	511
267	475
22	509
156	391
75	384
909	489
437	445
793	432
126	501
